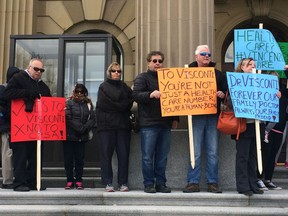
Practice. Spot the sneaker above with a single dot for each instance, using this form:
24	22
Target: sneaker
271	186
149	189
286	164
213	188
163	188
109	188
123	188
261	185
79	186
266	137
191	188
69	186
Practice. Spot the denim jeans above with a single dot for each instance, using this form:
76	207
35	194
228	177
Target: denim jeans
155	146
205	133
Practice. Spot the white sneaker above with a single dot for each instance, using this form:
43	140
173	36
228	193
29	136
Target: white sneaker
109	188
270	185
261	185
123	188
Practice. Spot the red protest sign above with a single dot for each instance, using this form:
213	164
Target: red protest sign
47	121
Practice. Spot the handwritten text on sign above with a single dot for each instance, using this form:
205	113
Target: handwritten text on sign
45	122
260	45
187	91
254	95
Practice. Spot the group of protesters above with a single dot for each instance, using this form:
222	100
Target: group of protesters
111	118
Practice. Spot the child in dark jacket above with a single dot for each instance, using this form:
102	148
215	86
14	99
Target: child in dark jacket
80	119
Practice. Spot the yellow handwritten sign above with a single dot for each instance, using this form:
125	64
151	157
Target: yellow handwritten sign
187	91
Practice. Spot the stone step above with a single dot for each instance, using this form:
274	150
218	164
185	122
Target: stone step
115	210
55	201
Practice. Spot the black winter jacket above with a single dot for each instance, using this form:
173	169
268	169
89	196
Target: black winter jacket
149	110
113	105
221	81
21	85
79	120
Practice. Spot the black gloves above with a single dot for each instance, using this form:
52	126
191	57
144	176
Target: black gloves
33	95
29	101
28	104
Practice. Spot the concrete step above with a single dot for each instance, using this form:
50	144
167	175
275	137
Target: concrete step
55	201
100	210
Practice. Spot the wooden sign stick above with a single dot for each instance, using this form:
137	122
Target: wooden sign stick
190	134
38	172
257	130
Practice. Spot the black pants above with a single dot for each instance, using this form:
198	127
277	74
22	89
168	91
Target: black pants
109	141
24	161
74	153
269	152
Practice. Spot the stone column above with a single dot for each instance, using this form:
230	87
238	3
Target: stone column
16	17
174	27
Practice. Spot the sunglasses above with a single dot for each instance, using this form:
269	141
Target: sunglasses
114	71
38	69
160	61
205	53
77	91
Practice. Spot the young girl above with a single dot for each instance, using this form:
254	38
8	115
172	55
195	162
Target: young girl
80	119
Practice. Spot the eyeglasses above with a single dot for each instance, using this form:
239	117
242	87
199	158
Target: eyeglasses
38	69
160	61
114	71
205	53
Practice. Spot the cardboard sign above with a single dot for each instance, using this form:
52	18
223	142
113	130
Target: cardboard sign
260	45
187	91
47	121
254	95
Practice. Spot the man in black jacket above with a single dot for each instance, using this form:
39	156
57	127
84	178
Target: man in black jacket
28	86
7	166
155	129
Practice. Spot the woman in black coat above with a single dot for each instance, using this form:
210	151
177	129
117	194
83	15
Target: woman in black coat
113	126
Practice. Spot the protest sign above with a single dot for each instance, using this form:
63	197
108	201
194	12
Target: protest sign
46	122
284	49
254	95
260	45
187	91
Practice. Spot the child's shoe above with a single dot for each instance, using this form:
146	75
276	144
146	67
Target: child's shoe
69	186
79	186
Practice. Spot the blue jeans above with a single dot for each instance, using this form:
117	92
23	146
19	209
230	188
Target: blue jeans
155	146
205	133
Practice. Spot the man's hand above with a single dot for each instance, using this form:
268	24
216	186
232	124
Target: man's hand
155	94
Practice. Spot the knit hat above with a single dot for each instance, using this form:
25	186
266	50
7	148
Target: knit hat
11	72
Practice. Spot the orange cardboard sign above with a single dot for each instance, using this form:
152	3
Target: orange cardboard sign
47	121
187	91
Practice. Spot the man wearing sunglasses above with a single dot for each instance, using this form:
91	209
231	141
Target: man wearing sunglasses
155	130
205	131
26	85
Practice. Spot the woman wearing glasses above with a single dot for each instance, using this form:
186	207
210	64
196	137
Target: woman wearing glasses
113	126
80	119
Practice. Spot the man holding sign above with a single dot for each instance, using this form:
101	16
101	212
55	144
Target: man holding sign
26	85
205	132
